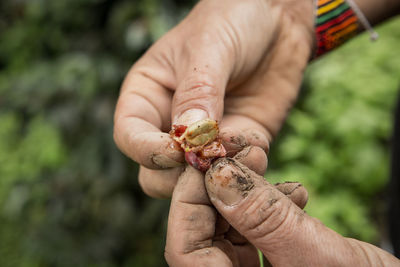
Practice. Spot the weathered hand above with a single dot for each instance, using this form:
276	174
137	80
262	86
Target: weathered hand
237	62
244	212
198	235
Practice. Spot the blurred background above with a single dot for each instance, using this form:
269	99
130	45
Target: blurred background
68	197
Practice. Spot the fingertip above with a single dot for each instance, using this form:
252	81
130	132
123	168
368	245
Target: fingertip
259	212
159	183
295	191
253	132
257	138
155	150
254	158
146	144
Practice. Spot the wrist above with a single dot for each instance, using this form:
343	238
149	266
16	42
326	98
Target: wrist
336	22
378	11
340	20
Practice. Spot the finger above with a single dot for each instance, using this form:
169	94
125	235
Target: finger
202	75
142	112
233	140
191	225
261	213
254	158
247	253
295	191
253	132
240	250
282	231
159	183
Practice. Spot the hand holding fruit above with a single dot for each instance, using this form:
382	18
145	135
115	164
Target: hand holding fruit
239	211
228	61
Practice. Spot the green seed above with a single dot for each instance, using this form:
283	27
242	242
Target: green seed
201	132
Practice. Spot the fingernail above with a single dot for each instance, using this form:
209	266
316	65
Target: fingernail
242	154
190	116
226	182
295	191
288	188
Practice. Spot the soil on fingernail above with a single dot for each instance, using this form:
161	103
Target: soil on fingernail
294	189
238	140
272	201
239	180
243	184
242	154
286	189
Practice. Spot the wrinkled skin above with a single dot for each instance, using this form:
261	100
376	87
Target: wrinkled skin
240	65
198	234
239	211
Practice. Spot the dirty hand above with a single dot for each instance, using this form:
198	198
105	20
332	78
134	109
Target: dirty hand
244	212
234	61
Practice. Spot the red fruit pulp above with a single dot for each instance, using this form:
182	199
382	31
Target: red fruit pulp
179	130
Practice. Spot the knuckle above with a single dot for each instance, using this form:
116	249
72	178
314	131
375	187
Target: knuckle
197	92
199	85
197	40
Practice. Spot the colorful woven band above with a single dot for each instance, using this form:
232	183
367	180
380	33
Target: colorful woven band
335	22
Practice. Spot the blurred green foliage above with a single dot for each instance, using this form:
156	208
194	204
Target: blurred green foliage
68	197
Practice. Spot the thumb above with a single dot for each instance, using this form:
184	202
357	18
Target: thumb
266	217
202	76
275	225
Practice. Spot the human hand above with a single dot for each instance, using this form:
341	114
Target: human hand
244	212
237	62
197	234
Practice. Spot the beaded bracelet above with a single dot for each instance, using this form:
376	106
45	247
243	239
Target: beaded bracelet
336	22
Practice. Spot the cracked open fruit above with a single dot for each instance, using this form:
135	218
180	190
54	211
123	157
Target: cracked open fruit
200	143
